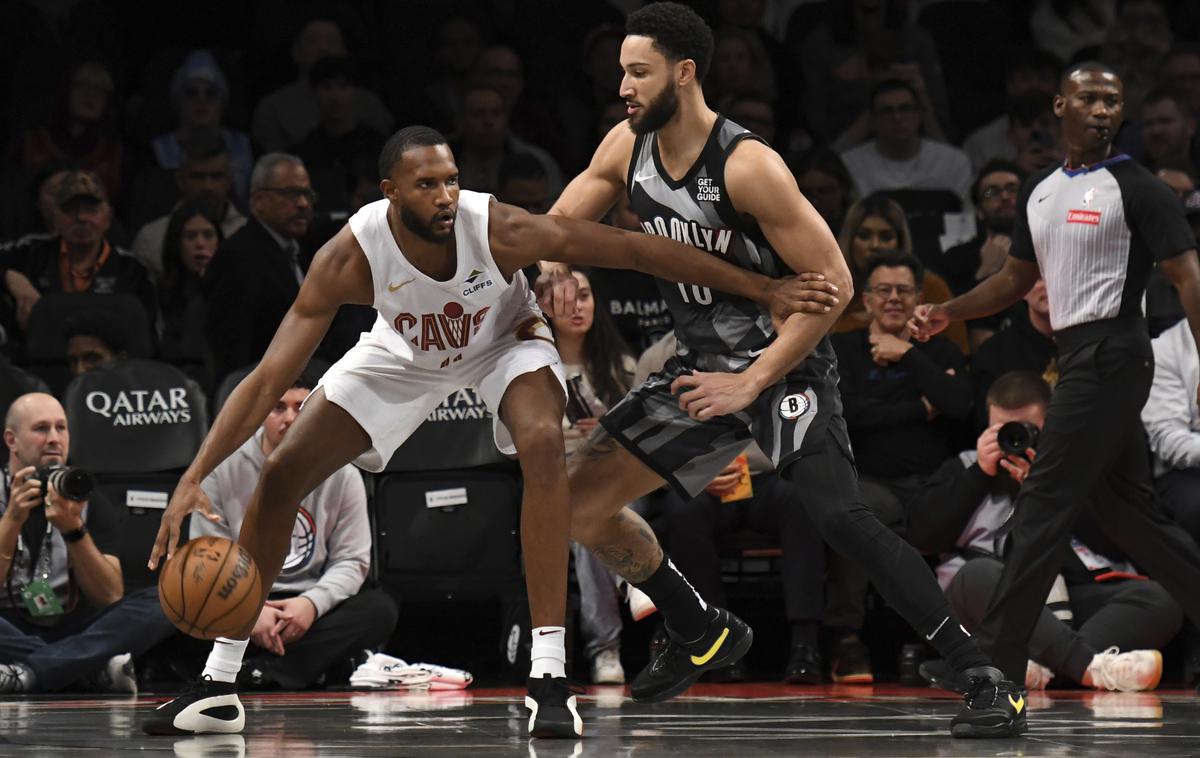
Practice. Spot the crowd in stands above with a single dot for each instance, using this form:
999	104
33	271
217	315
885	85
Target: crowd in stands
166	181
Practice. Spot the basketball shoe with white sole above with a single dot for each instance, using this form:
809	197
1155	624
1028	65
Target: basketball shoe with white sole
552	708
206	707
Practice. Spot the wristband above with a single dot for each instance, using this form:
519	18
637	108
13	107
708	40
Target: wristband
75	535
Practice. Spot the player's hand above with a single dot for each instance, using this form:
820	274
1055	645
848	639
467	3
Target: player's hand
887	348
188	498
706	396
804	293
298	615
63	514
928	320
25	495
725	482
266	629
556	289
587	425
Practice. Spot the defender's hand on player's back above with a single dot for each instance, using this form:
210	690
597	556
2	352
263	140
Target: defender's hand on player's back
704	395
804	293
555	289
188	498
927	321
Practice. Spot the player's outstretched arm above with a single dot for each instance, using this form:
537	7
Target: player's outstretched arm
519	238
339	275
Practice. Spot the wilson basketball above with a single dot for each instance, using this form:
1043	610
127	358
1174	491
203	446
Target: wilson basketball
210	588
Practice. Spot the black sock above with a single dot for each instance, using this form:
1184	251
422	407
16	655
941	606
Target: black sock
955	644
806	633
685	613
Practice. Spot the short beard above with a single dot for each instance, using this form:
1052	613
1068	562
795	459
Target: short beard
999	224
657	112
423	229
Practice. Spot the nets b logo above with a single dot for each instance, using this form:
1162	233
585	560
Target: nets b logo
793	407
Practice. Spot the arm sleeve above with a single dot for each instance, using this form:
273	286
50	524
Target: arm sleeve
1154	214
1168	410
103	524
348	556
940	510
951	395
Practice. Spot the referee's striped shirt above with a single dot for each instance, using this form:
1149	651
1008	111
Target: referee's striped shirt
1096	232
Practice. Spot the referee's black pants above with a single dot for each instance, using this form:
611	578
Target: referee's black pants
1092	449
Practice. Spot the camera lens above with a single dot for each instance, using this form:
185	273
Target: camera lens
1016	437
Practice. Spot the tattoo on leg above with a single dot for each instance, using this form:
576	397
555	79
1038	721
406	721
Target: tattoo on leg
637	555
598	445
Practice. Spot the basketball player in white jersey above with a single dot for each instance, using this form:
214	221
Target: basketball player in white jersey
443	269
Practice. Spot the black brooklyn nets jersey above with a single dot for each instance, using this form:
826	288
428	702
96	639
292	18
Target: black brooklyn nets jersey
716	331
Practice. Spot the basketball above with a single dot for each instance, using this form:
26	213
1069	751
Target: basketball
210	588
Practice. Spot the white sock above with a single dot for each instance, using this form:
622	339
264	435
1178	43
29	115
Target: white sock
225	660
549	653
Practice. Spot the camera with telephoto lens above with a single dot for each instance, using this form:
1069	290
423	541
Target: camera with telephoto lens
1016	437
71	482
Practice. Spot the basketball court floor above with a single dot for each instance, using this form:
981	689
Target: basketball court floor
745	721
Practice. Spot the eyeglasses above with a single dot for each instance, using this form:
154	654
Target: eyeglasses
1008	189
885	290
292	194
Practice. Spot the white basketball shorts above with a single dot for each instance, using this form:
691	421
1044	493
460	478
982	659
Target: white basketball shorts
390	398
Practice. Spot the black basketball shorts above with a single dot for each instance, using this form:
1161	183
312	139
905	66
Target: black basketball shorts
789	421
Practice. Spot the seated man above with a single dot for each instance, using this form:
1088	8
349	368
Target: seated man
1107	608
78	257
64	620
1172	420
902	399
317	613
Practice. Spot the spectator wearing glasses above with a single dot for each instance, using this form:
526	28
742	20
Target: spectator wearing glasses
199	92
963	266
256	273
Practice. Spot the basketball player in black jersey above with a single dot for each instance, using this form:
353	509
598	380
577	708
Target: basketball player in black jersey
693	175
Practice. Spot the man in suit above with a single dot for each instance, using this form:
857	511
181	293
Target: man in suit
256	273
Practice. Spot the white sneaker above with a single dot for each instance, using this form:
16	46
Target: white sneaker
640	604
1135	671
606	668
1037	676
385	672
445	678
118	675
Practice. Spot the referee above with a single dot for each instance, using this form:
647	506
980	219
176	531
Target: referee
1092	228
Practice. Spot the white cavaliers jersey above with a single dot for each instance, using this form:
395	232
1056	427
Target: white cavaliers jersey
435	324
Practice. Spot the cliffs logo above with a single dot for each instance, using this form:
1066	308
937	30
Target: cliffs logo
449	330
142	407
476	281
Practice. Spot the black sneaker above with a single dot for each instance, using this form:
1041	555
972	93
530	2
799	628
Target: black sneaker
734	673
552	709
206	707
804	665
678	666
993	706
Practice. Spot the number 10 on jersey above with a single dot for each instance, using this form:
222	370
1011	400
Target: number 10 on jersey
701	295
